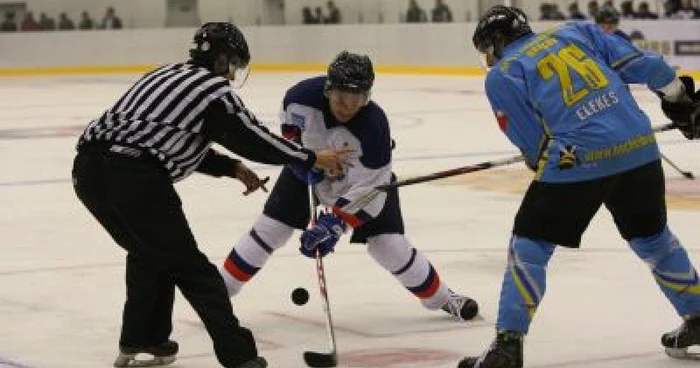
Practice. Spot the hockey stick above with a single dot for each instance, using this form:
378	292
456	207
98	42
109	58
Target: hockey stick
362	201
686	174
313	358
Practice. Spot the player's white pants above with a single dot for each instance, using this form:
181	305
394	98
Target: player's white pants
410	267
392	251
251	252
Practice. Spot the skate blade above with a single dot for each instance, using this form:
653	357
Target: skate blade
478	318
131	361
683	354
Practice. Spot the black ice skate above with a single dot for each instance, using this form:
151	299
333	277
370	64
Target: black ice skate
677	342
258	362
505	352
461	307
154	356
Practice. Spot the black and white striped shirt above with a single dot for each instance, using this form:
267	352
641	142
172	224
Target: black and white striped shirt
177	111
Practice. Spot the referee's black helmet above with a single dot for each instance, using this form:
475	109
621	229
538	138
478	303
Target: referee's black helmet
216	38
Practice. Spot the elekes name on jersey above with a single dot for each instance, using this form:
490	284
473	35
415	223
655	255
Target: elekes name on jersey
597	104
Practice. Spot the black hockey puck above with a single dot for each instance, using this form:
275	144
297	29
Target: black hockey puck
300	296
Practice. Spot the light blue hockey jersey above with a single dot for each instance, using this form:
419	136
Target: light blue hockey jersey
562	94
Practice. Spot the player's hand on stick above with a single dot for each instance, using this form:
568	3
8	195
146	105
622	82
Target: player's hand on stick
334	160
312	176
250	179
684	110
323	235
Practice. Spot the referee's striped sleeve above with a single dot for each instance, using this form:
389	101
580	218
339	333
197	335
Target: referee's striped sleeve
246	136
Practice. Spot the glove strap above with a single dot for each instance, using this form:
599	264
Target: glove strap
674	91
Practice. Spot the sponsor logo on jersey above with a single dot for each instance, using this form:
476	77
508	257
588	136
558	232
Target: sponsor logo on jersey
299	120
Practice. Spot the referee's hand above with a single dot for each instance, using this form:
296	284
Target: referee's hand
335	159
250	179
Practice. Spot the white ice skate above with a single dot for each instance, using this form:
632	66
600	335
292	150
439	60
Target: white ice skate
460	307
161	355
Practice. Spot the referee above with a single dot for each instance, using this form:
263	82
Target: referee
159	132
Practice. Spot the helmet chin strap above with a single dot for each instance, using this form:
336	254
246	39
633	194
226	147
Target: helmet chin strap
493	53
238	75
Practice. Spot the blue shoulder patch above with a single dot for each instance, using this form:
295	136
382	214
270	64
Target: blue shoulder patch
299	120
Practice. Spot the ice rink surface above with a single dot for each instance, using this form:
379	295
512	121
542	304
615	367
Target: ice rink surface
61	277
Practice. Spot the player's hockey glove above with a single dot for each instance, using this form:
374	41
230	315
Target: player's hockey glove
312	176
684	110
323	235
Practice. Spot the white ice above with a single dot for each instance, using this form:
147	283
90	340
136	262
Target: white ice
61	276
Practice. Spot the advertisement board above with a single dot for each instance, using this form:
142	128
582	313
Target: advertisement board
678	41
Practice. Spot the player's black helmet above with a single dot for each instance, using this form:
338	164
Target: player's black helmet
350	72
498	27
215	38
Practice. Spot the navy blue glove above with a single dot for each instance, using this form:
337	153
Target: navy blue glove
313	176
323	235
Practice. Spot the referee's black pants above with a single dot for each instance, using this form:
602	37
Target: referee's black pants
134	200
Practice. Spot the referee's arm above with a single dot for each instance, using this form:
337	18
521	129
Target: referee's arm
241	133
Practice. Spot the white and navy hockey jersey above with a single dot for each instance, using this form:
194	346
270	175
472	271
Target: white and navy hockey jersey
306	118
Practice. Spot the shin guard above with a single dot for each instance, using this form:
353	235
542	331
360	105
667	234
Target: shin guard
410	267
524	283
672	270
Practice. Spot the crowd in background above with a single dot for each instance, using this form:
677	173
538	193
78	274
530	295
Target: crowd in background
415	14
317	17
440	13
673	9
64	23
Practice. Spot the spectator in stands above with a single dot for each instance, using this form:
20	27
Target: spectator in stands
556	14
670	7
575	12
415	14
65	23
110	20
29	24
608	5
85	21
644	13
319	15
46	23
593	9
609	21
441	12
334	16
9	24
686	10
550	12
307	17
627	10
545	12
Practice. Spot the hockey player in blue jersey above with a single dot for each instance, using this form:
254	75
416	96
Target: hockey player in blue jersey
560	96
336	111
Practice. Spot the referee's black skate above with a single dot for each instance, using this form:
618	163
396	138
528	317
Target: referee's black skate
505	352
460	307
158	355
678	341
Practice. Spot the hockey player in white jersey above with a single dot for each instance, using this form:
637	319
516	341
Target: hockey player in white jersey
335	111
